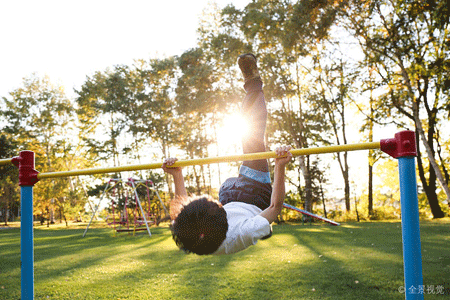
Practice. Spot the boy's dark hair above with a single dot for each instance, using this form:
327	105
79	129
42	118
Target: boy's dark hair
201	226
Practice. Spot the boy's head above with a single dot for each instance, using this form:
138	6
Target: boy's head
201	226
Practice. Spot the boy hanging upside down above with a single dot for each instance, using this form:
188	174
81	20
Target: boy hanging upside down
247	204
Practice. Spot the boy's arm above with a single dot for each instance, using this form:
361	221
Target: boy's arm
181	195
178	178
278	189
180	189
276	201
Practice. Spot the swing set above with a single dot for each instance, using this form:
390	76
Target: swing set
133	190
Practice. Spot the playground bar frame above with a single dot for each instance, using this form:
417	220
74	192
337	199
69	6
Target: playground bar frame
402	146
412	257
212	160
26	240
307	213
5	161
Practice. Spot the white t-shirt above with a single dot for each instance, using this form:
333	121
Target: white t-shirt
245	227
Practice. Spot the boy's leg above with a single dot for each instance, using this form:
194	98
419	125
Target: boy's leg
253	184
254	111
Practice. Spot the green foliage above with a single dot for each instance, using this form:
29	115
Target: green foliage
39	118
36	112
195	86
9	180
311	21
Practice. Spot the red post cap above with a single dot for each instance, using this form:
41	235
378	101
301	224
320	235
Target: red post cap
25	163
402	145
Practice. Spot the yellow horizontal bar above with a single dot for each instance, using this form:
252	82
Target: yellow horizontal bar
5	161
338	148
212	160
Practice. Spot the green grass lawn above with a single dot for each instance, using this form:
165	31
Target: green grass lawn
353	261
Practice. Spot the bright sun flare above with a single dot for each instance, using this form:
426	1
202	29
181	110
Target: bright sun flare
232	129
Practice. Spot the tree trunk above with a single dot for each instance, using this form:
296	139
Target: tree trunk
430	189
197	181
370	191
301	143
323	201
371	160
346	183
356	209
421	132
439	153
217	146
166	154
430	186
48	216
7	206
202	170
308	189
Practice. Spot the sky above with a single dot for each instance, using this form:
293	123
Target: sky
69	40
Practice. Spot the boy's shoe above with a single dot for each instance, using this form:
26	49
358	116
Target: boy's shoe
247	64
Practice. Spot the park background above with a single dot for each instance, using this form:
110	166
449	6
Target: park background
105	83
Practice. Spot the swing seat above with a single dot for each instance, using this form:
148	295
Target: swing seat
117	223
142	222
130	230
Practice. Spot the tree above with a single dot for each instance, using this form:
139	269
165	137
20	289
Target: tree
406	42
9	175
335	88
100	101
196	100
151	112
368	127
38	117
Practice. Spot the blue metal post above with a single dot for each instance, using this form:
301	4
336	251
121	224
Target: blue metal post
27	179
26	242
412	258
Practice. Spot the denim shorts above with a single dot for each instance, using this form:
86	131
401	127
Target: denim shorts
252	187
